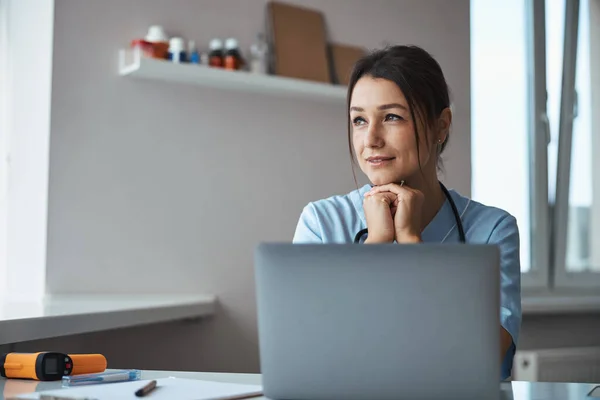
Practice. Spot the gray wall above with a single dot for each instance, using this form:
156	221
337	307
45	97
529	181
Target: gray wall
164	188
560	330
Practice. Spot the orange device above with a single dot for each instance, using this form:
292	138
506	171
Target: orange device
49	366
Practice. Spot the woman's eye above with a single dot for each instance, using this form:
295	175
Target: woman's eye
358	121
393	117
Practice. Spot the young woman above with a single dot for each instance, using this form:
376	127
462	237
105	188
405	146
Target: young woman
399	121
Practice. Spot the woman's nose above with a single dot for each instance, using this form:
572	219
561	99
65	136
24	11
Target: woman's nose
374	138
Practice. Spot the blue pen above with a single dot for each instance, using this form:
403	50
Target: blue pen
123	375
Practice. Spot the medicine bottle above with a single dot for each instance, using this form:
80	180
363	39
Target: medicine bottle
215	55
233	59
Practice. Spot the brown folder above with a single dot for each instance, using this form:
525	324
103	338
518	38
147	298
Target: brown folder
343	58
298	42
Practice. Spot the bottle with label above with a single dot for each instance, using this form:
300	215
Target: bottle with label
259	52
177	50
160	41
233	59
215	56
204	60
193	54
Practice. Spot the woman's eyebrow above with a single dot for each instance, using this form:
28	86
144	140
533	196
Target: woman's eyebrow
391	105
382	107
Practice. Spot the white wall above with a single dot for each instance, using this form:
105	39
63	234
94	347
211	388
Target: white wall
165	188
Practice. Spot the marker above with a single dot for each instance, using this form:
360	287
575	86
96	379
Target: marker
124	375
146	389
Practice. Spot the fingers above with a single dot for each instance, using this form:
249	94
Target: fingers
385	197
391	188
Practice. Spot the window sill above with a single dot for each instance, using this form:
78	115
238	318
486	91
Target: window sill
75	314
559	303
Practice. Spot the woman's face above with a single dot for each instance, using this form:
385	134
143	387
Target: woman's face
383	133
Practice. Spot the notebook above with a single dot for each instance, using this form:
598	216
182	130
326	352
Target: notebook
166	389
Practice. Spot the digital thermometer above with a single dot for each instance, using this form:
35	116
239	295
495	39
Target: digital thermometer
49	366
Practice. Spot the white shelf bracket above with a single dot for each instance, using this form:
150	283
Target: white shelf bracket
129	60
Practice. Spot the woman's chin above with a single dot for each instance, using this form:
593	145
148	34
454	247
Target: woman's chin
384	179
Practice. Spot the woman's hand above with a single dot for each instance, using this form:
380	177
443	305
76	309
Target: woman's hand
406	209
379	216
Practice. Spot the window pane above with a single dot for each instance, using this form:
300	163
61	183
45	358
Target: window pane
580	191
3	138
499	120
580	195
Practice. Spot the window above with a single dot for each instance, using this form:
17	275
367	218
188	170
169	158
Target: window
4	115
570	149
578	253
499	143
532	156
25	189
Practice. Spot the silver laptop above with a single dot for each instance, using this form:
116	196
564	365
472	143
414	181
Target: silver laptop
378	321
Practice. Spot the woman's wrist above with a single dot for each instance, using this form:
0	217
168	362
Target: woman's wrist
408	238
375	240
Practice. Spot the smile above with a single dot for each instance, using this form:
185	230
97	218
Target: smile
379	161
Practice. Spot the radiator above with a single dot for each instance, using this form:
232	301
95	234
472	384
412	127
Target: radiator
578	364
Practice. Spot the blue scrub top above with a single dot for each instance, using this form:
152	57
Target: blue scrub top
337	219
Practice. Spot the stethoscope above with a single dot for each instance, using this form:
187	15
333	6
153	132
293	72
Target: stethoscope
459	225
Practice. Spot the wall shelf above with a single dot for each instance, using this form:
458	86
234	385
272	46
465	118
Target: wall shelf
73	314
133	64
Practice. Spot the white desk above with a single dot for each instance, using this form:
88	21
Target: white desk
510	391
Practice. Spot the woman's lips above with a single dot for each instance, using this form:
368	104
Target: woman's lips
379	161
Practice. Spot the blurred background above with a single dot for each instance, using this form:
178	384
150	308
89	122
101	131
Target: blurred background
148	146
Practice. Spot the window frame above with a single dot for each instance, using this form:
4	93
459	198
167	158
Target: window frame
539	133
560	212
594	24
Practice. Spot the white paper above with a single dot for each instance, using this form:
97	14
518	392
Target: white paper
166	389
